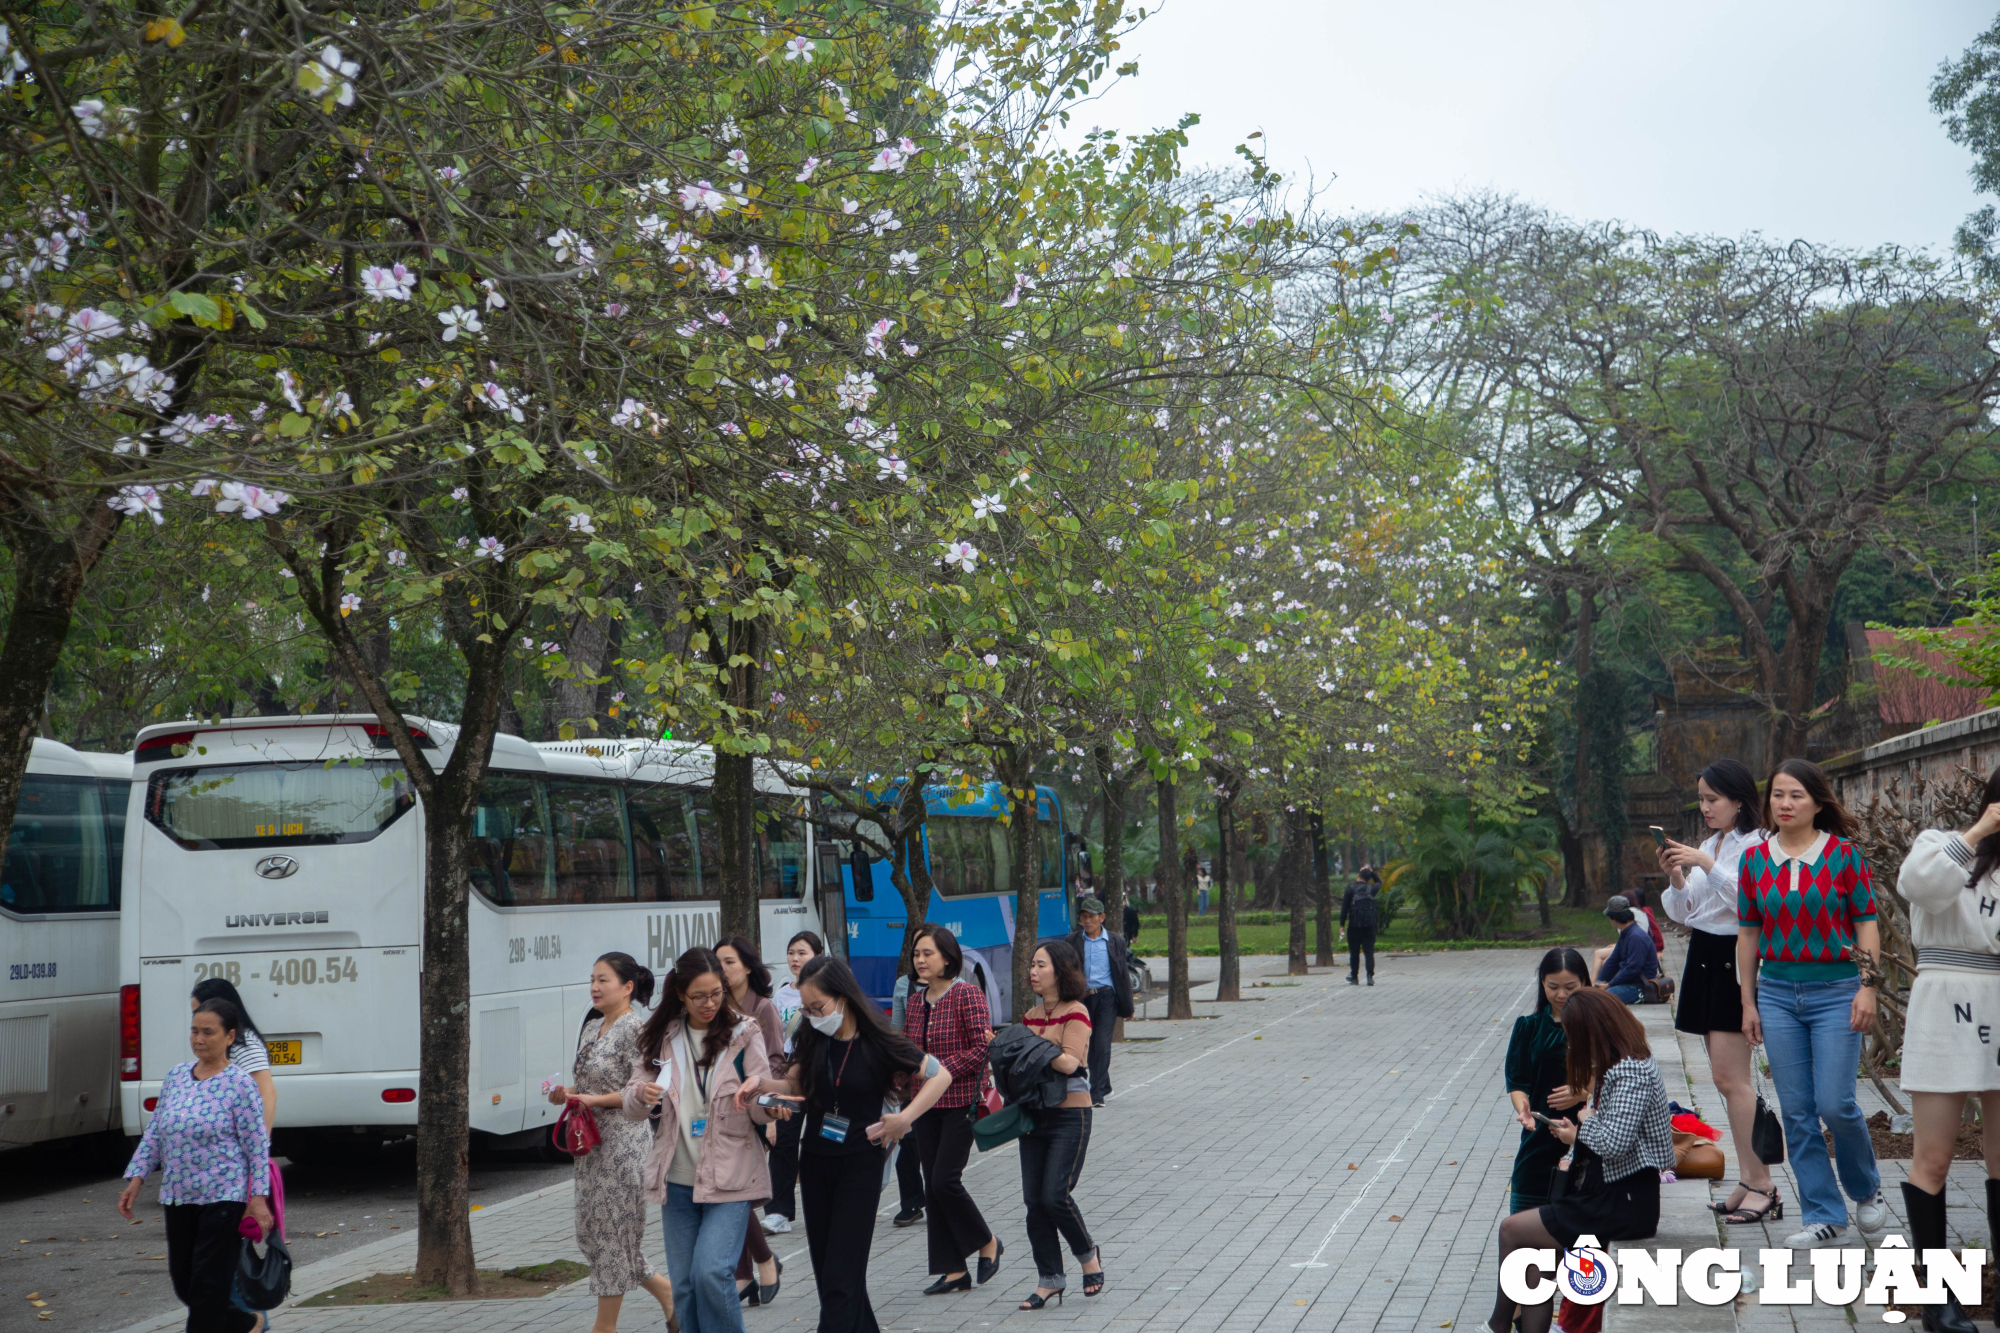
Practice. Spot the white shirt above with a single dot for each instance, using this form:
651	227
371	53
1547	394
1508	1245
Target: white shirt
249	1054
1708	903
790	1007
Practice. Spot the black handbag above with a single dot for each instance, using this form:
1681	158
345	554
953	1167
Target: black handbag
264	1280
1767	1132
1584	1177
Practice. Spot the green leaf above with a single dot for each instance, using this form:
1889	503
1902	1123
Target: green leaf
195	305
292	425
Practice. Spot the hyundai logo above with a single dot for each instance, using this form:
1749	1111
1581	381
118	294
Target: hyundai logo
277	867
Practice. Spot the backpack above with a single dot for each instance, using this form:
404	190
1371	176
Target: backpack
1361	907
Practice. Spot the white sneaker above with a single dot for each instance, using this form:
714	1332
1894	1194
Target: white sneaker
776	1224
1873	1216
1812	1237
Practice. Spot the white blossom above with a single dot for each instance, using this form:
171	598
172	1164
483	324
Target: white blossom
496	398
872	342
387	284
806	169
963	554
572	249
396	558
800	48
459	319
629	412
903	259
884	220
349	604
890	467
701	197
855	392
985	506
137	500
494	300
490	549
12	62
252	502
580	522
289	387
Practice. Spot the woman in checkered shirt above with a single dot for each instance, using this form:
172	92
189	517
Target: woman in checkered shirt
1625	1132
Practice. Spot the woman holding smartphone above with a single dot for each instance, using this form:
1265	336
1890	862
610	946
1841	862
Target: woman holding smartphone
1702	897
1538	1077
1807	910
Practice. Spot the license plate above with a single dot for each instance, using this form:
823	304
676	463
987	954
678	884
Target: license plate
284	1052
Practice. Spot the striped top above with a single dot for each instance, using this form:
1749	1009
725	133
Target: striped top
1068	1026
1805	907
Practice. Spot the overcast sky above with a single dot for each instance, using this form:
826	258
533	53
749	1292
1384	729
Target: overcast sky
1784	117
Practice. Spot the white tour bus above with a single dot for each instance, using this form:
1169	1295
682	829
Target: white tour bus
59	892
287	855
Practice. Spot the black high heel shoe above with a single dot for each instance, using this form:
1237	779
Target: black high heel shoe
988	1267
765	1295
1037	1301
946	1285
1094	1282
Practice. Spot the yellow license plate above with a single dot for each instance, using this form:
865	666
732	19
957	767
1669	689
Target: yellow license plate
284	1052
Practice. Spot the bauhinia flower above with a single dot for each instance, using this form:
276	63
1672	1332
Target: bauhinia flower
903	259
571	248
496	398
349	604
396	558
884	220
580	522
387	284
890	467
490	549
252	502
737	158
494	300
800	48
629	413
985	506
872	342
963	554
701	197
93	325
137	500
806	169
855	392
460	319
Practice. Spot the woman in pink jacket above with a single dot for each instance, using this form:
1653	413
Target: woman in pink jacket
700	1064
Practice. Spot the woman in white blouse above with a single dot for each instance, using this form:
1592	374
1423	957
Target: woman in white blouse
1702	897
1952	882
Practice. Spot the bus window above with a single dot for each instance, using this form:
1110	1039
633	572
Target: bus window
708	852
1000	837
961	849
278	805
663	844
1051	840
510	841
56	860
591	865
781	854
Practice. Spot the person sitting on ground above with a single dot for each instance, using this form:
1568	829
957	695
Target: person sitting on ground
1633	959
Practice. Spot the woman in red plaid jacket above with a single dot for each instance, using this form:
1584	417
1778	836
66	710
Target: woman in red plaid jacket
948	1017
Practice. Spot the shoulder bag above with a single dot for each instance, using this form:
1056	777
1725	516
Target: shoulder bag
576	1131
1583	1177
264	1280
1767	1132
1003	1126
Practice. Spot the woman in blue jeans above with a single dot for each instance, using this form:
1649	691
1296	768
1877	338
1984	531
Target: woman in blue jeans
1806	914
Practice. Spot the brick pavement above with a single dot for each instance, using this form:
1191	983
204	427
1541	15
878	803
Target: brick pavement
1318	1157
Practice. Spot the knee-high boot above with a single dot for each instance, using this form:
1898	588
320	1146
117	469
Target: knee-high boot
1927	1232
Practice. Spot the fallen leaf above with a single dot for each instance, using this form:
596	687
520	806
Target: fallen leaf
34	1295
38	1304
1298	1302
1452	1162
1394	1218
1352	1167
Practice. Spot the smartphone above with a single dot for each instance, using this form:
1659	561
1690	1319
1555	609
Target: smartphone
770	1101
1545	1122
1659	834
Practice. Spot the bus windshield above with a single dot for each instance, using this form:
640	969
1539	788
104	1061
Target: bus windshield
277	805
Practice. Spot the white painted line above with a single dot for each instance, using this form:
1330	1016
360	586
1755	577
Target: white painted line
1395	1154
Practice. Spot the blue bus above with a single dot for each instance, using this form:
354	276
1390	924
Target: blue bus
971	858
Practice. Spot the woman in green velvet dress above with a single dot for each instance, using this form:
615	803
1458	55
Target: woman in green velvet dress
1536	1076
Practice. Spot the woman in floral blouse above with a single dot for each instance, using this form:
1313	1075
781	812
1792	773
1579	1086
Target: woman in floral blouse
208	1140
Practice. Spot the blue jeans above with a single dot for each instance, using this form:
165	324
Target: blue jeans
703	1241
1628	994
1814	1062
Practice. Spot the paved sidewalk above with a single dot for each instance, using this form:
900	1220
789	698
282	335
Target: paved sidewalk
1317	1157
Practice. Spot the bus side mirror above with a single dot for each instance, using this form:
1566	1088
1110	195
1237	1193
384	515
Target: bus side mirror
864	876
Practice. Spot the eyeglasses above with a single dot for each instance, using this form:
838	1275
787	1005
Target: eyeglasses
824	1008
704	997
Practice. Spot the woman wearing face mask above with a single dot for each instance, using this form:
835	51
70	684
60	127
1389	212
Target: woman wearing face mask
610	1207
700	1065
849	1064
1538	1077
1808	919
1702	897
207	1138
948	1017
784	1133
1052	1156
750	995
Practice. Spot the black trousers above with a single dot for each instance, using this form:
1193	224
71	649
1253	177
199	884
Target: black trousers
841	1194
1360	941
1051	1161
784	1165
1103	1006
202	1246
943	1142
909	1179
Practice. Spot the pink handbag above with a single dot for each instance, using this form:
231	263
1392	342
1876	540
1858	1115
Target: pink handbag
576	1132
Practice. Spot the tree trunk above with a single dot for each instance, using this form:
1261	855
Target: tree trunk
1116	784
444	1214
1017	779
1323	893
49	576
1229	978
733	801
1571	846
1297	864
574	699
908	868
1585	620
1172	888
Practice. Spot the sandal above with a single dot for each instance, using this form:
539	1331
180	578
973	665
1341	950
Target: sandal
1734	1202
1740	1217
1094	1282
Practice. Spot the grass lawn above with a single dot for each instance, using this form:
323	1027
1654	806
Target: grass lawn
1270	932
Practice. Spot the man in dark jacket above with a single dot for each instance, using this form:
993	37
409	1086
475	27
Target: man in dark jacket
1107	978
1358	918
1131	922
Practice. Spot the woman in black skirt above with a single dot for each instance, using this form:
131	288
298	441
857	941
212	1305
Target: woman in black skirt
1623	1143
1702	897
